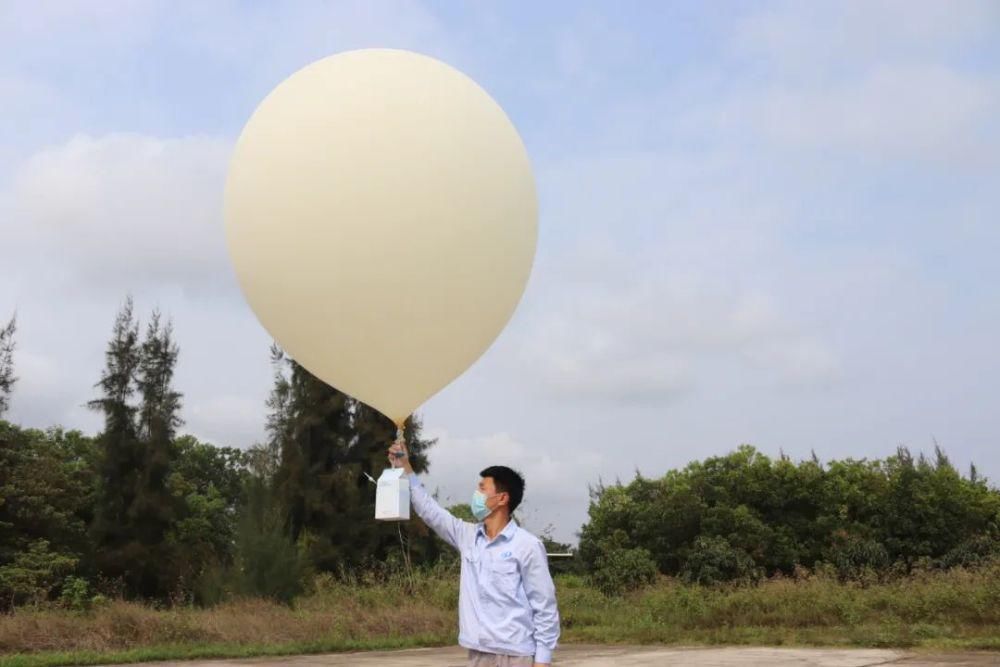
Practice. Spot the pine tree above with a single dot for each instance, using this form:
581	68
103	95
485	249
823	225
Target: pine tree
265	458
135	509
120	456
159	415
154	508
7	378
269	563
311	482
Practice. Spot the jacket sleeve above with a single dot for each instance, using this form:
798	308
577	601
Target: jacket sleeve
541	592
450	528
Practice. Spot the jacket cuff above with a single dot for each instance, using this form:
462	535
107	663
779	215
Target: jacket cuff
543	654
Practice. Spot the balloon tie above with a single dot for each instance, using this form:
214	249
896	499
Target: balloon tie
400	441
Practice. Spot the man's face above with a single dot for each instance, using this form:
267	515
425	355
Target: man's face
494	498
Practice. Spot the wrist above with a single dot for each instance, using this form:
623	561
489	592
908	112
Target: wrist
543	655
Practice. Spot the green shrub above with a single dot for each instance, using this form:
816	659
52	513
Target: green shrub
619	570
268	563
214	584
973	552
33	574
75	594
782	514
714	560
858	558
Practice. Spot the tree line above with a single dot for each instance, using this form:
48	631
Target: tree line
142	511
745	516
145	512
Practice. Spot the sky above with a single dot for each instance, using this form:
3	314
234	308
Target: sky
760	222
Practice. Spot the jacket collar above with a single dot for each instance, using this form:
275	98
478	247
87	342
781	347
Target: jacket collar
507	533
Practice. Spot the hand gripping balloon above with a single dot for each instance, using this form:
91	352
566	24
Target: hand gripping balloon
382	219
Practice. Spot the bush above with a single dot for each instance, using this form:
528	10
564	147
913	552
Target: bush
214	585
857	558
33	575
781	513
268	563
75	594
976	551
619	570
714	560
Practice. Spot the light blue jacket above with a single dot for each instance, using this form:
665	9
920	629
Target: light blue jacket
507	601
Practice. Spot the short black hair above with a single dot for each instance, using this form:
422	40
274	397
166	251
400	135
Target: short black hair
507	481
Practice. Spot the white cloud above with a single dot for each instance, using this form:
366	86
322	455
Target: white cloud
875	82
40	373
664	334
229	420
97	218
44	396
661	275
125	211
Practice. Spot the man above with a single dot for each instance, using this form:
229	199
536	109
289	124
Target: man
507	615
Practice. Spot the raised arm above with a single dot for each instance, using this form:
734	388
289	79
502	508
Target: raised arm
450	528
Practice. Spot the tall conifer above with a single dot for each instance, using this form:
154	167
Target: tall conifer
7	377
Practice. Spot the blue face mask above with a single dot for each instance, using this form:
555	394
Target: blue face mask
478	505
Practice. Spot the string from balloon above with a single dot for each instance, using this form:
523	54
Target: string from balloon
404	547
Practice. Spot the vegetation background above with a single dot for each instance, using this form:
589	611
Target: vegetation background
143	542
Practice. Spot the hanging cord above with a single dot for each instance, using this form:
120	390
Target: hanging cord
405	547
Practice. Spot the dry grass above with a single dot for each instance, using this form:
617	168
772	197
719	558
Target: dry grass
336	614
958	609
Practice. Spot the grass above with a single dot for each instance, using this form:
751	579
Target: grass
951	610
208	651
957	609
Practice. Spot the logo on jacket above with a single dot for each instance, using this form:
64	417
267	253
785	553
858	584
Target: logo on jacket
506	554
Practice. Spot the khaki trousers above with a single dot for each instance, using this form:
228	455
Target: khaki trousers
480	659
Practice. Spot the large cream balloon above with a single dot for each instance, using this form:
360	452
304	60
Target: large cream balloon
382	219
